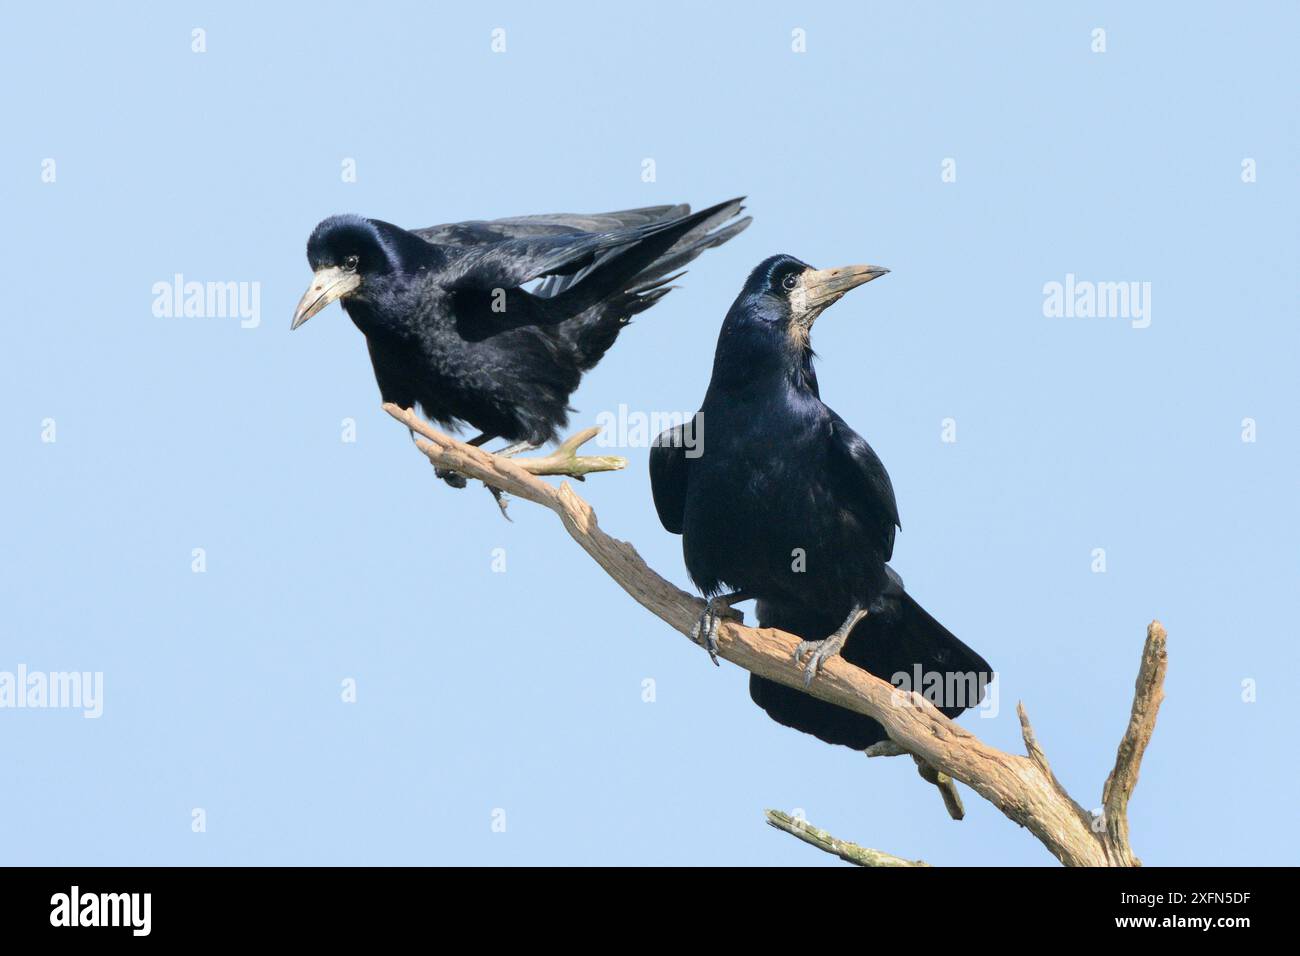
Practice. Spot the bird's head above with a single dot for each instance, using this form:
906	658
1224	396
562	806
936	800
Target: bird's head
348	252
783	298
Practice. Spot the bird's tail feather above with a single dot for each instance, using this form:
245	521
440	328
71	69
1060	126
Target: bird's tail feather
901	643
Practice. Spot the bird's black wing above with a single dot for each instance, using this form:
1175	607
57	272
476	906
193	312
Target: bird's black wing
711	228
480	231
861	483
514	261
511	251
668	463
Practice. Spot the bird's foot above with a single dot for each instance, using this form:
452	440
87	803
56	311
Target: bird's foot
502	500
453	478
457	480
705	631
822	651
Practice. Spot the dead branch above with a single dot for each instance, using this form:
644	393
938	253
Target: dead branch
849	852
1148	694
565	460
947	788
1023	788
945	784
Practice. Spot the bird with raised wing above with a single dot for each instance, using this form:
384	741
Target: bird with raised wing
453	325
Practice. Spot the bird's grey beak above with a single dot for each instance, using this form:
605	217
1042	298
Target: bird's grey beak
824	287
818	289
327	285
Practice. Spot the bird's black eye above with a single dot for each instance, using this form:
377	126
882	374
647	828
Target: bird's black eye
350	263
789	282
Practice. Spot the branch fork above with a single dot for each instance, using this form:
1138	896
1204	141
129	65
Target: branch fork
564	460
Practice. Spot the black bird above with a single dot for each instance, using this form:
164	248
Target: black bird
450	326
785	503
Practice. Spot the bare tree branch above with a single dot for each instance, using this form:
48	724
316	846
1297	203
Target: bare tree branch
1023	788
850	852
946	785
563	461
1147	697
947	789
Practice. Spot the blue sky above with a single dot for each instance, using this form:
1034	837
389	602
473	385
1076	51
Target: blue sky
479	691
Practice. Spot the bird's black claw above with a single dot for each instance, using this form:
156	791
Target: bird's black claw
705	631
502	500
455	479
700	634
821	652
810	671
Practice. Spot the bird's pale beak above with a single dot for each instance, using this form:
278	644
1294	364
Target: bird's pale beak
819	289
327	285
824	287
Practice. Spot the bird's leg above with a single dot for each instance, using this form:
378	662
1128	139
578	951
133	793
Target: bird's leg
502	500
518	448
705	631
828	647
453	478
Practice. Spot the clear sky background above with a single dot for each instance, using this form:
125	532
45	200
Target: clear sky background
522	691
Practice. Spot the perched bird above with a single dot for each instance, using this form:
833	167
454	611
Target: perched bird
451	327
780	500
